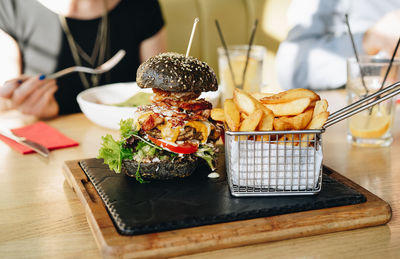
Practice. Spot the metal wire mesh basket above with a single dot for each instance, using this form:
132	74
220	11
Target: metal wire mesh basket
274	163
263	163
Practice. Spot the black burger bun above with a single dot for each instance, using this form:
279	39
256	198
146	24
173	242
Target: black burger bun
162	170
174	72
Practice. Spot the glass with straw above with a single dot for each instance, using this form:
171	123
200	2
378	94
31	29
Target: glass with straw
366	75
252	80
240	66
372	127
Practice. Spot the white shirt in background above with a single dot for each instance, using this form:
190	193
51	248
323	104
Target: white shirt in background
315	51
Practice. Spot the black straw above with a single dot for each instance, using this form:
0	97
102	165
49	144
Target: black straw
390	64
226	51
253	32
355	52
387	71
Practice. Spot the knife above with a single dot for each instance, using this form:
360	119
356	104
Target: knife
23	141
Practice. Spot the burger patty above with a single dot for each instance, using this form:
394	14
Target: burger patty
189	133
214	134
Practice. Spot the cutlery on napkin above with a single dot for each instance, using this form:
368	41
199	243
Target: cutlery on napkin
39	133
42	150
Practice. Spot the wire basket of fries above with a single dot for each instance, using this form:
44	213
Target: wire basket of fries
274	163
273	142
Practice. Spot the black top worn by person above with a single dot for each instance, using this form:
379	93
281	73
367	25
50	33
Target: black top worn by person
45	48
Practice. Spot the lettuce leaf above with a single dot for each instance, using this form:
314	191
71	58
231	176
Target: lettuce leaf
144	150
113	152
207	152
126	128
138	176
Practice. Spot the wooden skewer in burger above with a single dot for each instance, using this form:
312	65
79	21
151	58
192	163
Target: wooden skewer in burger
166	139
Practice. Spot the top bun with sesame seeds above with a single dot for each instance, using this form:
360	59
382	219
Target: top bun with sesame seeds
173	72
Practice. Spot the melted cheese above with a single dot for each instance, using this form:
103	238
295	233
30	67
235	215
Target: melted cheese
141	117
168	133
204	127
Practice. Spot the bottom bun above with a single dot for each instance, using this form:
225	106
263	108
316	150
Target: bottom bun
163	170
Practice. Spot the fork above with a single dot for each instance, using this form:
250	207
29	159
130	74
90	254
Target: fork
106	66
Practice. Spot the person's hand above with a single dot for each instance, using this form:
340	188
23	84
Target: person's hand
32	95
383	35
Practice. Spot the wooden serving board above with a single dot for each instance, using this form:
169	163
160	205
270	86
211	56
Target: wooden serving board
373	212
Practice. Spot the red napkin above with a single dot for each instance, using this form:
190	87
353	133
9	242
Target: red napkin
41	133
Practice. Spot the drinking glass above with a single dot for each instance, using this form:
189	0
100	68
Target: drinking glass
238	56
372	127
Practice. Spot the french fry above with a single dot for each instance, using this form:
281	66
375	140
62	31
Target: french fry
232	115
294	107
266	124
251	122
248	104
244	101
302	120
316	123
217	114
297	122
243	116
320	106
259	96
267	121
312	104
290	95
280	124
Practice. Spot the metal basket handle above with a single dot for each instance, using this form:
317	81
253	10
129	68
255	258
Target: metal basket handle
363	104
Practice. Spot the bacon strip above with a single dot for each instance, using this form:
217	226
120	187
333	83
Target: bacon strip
160	95
152	121
196	105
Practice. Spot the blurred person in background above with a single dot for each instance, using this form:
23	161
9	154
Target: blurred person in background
317	46
39	37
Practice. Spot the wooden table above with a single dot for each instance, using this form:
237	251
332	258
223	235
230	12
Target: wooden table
40	216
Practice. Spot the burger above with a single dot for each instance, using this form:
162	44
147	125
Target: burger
169	137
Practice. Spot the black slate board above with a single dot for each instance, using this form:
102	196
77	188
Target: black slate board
197	200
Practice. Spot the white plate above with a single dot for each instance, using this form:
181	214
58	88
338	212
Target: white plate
94	103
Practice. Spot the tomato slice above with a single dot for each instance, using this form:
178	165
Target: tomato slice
185	148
